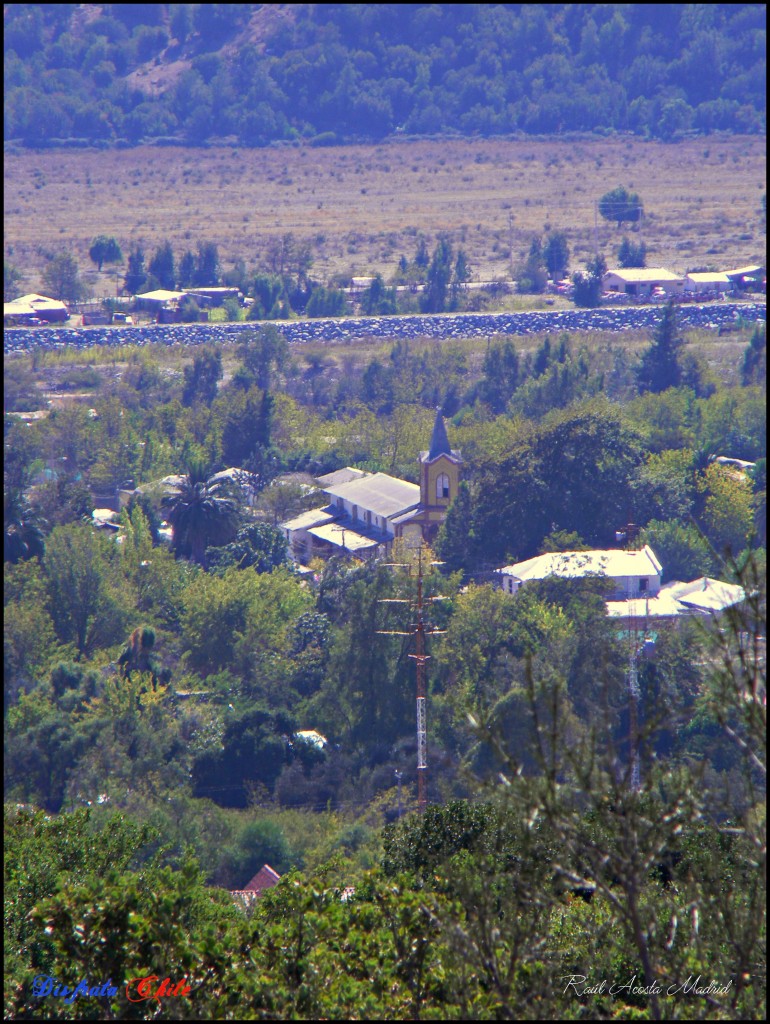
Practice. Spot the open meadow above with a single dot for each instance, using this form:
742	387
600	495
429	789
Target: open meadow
362	207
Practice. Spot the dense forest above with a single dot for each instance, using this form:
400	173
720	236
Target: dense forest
254	74
156	697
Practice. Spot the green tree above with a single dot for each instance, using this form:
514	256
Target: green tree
87	605
728	515
264	352
207	264
105	249
434	299
246	431
22	527
201	379
11	278
258	546
754	365
632	254
531	278
186	272
683	551
162	266
501	375
202	511
588	286
572	472
456	540
136	274
621	205
61	278
378	300
660	367
556	254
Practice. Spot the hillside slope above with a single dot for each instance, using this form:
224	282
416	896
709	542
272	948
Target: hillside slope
256	74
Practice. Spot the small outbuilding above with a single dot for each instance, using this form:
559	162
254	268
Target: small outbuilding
749	279
708	283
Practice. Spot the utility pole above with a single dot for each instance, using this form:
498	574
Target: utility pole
419	630
596	230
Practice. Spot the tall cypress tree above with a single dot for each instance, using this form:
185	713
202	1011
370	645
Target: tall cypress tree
660	368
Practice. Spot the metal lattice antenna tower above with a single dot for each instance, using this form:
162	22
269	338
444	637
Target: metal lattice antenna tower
630	533
420	629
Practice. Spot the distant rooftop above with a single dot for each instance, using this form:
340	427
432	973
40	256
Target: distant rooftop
642	274
341	476
704	596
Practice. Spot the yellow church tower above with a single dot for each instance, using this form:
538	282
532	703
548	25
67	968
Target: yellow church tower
439	479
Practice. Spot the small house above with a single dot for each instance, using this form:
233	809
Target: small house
33	309
631	573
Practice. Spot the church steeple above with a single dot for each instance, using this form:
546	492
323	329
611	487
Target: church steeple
439	442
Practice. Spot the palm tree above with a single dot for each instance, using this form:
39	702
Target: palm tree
22	527
202	511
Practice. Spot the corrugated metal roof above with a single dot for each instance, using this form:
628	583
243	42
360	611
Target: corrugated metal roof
342	536
379	493
315	517
574	564
661	606
341	476
405	517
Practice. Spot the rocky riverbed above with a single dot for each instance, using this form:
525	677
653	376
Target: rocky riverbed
718	316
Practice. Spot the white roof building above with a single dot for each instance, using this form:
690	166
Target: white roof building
702	597
631	572
707	282
35	306
640	281
159	297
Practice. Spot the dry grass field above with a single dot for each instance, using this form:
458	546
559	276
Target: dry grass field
361	207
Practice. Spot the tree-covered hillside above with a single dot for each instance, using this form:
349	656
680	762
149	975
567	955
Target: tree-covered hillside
260	73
